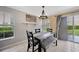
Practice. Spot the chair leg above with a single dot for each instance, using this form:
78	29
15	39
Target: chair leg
33	48
28	47
44	50
39	47
56	42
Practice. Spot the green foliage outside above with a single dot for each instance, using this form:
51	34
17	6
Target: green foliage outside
76	30
71	27
5	29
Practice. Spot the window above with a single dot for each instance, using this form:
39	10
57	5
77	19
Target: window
6	25
45	24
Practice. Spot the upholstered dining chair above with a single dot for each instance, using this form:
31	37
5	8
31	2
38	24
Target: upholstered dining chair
49	30
32	42
37	30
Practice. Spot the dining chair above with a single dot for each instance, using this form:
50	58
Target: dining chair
37	30
49	30
32	42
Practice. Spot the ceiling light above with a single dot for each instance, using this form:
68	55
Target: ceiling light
43	15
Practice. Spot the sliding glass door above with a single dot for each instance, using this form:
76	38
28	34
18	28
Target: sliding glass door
76	28
70	28
73	28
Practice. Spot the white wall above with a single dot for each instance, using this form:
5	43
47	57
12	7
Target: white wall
20	28
39	24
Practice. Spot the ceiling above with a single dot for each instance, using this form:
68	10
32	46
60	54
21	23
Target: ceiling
50	10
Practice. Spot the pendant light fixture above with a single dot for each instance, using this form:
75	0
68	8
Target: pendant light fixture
43	15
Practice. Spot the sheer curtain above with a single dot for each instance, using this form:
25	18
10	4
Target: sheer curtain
62	28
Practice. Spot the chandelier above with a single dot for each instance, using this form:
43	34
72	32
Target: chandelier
43	15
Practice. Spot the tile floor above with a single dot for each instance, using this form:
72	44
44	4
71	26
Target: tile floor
63	46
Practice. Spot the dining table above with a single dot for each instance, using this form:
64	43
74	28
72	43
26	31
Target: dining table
45	39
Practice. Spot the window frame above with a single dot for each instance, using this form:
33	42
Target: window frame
12	25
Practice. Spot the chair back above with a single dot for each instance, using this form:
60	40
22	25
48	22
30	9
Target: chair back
29	36
37	30
49	30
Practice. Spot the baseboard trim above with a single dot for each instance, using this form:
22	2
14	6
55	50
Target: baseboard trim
11	45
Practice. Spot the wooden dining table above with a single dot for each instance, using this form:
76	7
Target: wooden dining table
45	39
